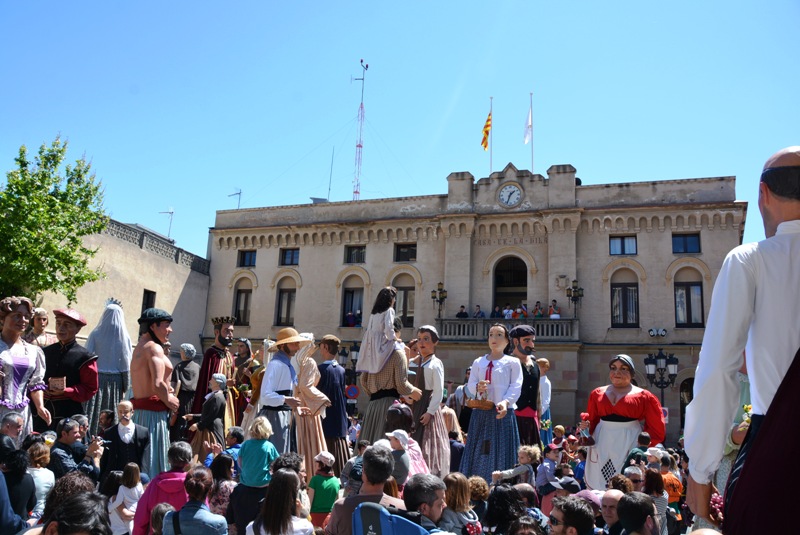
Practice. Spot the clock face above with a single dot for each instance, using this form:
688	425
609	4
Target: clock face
510	195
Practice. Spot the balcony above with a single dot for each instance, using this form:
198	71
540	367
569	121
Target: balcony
471	330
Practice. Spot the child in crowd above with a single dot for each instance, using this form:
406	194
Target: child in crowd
529	458
128	495
580	468
478	494
546	477
558	435
323	489
569	446
458	514
398	439
157	517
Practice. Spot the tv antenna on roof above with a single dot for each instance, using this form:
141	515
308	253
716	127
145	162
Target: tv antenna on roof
360	142
237	194
171	212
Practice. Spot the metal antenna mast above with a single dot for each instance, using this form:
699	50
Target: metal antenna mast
360	142
239	195
171	212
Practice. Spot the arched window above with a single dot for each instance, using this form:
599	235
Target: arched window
624	299
688	298
285	306
404	305
352	301
243	295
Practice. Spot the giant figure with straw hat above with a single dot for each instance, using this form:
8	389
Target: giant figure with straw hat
280	378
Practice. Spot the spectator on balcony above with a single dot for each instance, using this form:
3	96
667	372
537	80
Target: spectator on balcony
520	313
479	314
462	312
496	313
554	311
538	311
508	311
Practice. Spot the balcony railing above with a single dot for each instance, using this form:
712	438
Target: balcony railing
468	329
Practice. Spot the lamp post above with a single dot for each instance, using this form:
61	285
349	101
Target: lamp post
661	370
350	374
575	294
343	357
439	296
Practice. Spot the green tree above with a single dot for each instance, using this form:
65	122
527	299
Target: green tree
46	211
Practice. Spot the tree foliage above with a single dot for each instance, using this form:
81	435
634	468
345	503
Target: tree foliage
46	211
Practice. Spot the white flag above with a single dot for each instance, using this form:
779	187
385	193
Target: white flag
529	126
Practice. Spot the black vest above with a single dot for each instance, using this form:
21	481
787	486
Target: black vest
66	361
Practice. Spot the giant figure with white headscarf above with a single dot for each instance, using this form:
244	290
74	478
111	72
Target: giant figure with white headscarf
111	343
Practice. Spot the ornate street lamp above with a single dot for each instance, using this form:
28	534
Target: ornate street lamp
343	357
661	370
439	296
575	294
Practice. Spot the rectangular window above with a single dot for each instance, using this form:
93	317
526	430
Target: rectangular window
243	307
404	306
622	245
285	314
290	257
148	300
405	252
352	307
689	304
355	254
685	243
247	258
625	304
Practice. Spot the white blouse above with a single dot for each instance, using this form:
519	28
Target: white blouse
506	382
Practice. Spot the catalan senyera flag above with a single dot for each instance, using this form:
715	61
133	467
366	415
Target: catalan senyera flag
486	129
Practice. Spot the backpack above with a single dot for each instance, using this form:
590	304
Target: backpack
673	524
373	519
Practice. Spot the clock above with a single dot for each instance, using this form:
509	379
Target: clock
510	195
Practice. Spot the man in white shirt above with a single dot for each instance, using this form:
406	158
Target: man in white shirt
280	378
126	442
755	306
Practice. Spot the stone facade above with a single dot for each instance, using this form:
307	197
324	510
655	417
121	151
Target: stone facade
135	261
637	249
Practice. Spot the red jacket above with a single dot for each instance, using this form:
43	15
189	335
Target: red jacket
166	487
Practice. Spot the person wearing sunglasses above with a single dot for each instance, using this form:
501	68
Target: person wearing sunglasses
571	516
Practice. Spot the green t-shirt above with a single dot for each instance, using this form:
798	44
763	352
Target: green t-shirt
326	491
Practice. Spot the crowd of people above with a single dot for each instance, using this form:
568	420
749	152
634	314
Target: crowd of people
507	312
260	442
114	439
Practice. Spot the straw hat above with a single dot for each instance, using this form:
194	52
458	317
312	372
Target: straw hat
287	335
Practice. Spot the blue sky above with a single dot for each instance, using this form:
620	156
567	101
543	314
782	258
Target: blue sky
179	104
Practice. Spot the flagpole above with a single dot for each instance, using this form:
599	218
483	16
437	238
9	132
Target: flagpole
532	132
490	137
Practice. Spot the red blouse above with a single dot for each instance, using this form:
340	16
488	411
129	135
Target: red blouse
640	405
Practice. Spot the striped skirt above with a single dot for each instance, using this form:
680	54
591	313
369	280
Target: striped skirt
113	388
155	455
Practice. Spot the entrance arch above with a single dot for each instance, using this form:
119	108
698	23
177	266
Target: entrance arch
510	281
